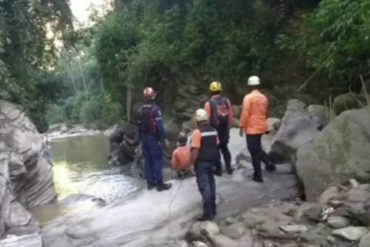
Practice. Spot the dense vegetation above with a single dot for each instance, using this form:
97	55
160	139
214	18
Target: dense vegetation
299	46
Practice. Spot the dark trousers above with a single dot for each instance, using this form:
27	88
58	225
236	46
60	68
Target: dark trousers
153	152
207	187
223	135
222	146
258	154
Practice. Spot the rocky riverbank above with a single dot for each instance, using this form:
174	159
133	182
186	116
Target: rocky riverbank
339	218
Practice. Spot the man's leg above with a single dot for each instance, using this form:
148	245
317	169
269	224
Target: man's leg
203	181
253	144
213	190
156	152
148	164
226	154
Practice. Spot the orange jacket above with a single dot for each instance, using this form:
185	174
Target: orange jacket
181	158
253	117
207	107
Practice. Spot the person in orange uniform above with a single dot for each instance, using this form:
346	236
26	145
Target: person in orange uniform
221	118
181	158
253	122
204	156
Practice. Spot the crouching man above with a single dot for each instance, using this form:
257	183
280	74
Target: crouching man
180	160
204	157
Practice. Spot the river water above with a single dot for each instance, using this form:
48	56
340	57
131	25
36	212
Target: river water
81	167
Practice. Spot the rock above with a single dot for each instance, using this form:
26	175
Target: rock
339	152
32	240
234	231
313	213
365	241
224	241
25	171
5	191
20	221
294	228
210	227
348	101
230	220
273	124
320	111
357	204
122	144
298	127
357	195
337	222
328	195
308	211
351	233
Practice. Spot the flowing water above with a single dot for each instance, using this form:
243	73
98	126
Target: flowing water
81	170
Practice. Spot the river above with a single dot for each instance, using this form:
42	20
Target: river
81	167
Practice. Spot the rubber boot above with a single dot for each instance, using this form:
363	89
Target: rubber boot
163	186
150	186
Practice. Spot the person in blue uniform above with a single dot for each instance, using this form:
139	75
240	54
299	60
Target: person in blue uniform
152	135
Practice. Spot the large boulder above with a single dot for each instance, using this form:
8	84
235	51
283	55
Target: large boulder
25	171
339	152
298	127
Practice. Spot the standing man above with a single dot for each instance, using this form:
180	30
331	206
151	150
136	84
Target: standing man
221	118
204	156
152	135
253	122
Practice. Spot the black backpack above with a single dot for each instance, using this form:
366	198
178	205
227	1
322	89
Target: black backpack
146	119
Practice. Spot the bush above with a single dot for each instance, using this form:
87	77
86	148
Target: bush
55	114
90	111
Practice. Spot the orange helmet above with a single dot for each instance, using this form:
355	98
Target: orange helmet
149	93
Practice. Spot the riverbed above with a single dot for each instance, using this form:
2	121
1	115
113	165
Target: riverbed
81	168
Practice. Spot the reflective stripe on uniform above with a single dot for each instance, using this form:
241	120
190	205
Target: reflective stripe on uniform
213	133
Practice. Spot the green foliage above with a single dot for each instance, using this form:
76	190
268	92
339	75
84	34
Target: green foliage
26	51
55	114
152	42
91	110
335	38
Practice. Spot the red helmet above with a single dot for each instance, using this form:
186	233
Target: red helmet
149	93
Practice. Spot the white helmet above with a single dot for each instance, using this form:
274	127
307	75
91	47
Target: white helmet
254	81
201	115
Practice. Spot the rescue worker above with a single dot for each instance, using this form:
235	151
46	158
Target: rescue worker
221	118
152	135
253	122
181	158
204	156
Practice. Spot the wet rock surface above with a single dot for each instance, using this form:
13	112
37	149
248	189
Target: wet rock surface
25	174
159	218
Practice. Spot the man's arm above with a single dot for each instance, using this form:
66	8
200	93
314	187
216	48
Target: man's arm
195	146
244	116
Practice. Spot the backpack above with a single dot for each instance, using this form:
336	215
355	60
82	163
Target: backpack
146	119
219	112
